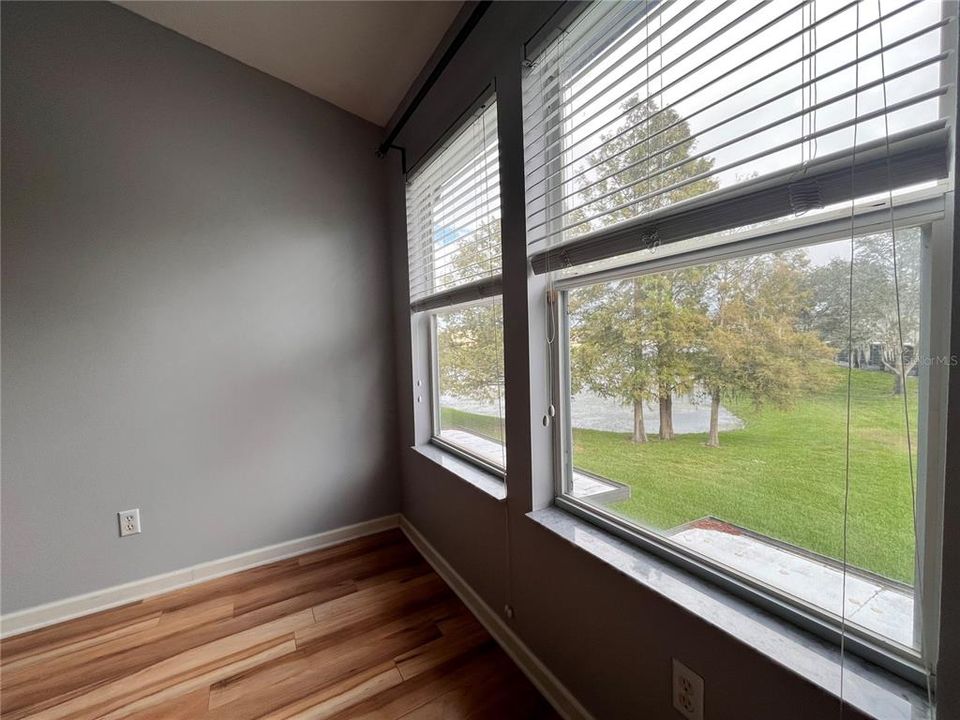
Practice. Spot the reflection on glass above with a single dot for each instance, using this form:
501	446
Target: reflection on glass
709	404
469	352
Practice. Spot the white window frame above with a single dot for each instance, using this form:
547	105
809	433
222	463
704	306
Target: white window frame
933	212
435	424
424	323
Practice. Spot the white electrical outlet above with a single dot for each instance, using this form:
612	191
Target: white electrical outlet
687	691
129	522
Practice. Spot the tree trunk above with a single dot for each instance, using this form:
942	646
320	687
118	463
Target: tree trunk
639	429
666	416
713	440
898	382
900	374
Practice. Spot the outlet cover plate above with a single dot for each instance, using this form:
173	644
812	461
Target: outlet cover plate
129	522
687	691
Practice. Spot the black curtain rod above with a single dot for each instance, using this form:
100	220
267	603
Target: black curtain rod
468	26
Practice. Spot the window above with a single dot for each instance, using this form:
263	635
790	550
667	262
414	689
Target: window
706	403
468	410
742	221
454	246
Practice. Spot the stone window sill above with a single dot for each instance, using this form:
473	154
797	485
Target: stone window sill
484	481
869	689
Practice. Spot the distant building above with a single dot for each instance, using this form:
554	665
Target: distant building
871	356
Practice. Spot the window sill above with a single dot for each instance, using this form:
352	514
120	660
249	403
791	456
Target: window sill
869	689
486	482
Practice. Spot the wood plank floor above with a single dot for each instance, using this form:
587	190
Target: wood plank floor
364	629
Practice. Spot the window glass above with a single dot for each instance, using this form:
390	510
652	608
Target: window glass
469	372
453	211
748	412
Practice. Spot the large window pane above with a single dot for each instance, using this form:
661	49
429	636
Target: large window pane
469	401
709	404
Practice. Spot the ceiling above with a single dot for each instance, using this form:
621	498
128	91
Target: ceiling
360	56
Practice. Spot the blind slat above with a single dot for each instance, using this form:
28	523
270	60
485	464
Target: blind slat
599	90
660	151
756	106
459	205
453	216
909	159
666	108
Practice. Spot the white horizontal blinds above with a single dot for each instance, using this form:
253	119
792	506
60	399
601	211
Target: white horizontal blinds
642	106
453	215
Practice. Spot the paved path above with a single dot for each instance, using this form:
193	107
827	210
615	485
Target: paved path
584	486
592	412
884	608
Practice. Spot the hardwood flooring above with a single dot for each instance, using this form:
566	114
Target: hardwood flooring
364	629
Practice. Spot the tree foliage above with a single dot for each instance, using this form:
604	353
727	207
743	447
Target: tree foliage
730	329
755	346
636	163
886	304
634	340
647	322
470	339
470	351
611	348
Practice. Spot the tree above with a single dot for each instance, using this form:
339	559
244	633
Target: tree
896	299
640	349
608	350
755	347
633	340
634	164
676	321
470	339
470	346
829	313
874	316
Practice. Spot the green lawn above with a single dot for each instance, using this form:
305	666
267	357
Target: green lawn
781	475
484	425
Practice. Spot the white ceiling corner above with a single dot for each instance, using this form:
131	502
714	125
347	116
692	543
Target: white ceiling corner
360	56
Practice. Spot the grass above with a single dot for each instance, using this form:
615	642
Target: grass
487	426
782	475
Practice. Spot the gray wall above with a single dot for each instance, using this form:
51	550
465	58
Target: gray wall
606	637
195	320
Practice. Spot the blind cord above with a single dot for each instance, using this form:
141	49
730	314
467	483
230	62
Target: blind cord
846	469
803	83
551	315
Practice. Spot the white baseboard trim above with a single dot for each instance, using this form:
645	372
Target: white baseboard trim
545	681
42	615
